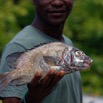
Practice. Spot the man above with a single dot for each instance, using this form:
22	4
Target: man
47	26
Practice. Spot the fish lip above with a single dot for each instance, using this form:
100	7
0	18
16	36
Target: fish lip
87	64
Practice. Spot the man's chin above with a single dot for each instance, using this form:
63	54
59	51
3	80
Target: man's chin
56	22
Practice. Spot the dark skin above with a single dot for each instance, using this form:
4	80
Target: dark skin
38	91
50	19
51	16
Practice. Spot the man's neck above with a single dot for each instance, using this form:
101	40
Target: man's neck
52	31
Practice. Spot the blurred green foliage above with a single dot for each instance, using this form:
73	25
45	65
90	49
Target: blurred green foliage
86	31
14	15
84	27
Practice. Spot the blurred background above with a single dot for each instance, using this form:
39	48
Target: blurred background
84	27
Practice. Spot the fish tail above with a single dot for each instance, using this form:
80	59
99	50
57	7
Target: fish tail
4	80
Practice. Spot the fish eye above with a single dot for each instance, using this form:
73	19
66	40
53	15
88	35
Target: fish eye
78	53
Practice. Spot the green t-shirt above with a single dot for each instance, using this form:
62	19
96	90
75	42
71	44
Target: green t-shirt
67	90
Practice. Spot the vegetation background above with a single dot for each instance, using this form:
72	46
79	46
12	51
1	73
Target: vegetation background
84	27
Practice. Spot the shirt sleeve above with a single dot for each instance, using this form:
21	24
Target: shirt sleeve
11	90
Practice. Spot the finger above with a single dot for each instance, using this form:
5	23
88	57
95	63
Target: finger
46	80
48	91
36	79
56	79
52	82
59	76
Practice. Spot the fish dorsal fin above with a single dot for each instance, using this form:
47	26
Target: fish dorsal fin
50	60
38	45
11	59
41	44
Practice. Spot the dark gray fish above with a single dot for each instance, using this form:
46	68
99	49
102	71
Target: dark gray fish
55	55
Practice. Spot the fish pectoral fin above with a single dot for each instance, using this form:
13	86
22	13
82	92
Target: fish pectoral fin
11	59
51	61
19	81
57	68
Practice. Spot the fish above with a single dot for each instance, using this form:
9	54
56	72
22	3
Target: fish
42	58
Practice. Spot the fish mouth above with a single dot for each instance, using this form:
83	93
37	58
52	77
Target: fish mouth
88	63
86	66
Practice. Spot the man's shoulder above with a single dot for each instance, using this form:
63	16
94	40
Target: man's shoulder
67	41
26	33
27	37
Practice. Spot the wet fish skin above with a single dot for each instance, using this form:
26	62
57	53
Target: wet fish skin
55	55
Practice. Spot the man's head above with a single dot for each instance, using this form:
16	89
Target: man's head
53	12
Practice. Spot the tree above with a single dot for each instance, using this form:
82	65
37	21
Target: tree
13	16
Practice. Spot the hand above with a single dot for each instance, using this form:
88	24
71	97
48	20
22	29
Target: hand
39	89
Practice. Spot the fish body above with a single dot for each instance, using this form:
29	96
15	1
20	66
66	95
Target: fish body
55	55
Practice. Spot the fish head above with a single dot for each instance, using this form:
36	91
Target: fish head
75	59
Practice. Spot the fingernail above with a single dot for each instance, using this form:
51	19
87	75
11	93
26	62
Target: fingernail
38	73
52	71
61	73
